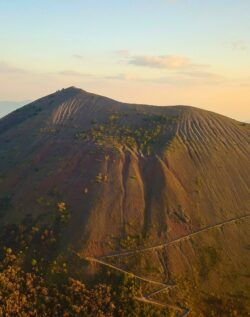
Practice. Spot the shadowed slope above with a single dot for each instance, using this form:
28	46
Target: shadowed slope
150	172
133	177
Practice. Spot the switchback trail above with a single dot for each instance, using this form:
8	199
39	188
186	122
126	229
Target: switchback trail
144	299
157	292
160	246
127	272
183	311
147	301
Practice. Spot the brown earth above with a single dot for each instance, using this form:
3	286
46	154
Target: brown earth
135	176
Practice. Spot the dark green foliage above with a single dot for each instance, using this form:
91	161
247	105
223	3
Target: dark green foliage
146	136
131	242
5	204
209	258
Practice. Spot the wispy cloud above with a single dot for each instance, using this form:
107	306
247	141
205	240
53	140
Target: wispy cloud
201	74
124	76
11	69
175	78
78	56
175	69
122	53
167	62
239	45
163	61
181	69
6	68
73	73
240	82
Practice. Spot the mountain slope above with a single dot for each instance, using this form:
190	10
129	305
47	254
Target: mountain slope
132	176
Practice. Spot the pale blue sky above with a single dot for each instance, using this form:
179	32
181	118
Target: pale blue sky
151	51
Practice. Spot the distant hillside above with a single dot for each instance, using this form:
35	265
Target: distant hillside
135	182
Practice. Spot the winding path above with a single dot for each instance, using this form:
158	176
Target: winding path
158	291
184	311
146	299
127	272
160	246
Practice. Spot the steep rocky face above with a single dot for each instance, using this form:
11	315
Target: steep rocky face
132	177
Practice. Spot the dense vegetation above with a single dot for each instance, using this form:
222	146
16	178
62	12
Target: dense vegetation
37	279
33	293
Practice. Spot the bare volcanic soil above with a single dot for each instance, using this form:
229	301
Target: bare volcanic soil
162	193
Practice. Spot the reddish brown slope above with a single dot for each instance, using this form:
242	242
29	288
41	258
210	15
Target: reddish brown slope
193	173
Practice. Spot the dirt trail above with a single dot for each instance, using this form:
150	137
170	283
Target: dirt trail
146	299
157	292
141	299
184	311
160	246
127	272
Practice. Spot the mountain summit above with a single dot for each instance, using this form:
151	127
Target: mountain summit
133	177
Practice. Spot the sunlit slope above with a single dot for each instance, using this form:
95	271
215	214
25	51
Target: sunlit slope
152	173
159	192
